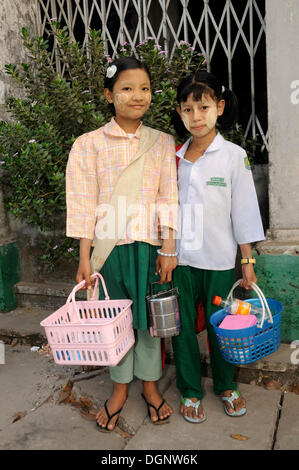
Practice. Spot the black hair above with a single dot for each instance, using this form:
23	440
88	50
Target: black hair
205	83
123	63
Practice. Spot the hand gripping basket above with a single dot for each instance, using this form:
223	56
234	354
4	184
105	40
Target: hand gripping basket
247	345
90	332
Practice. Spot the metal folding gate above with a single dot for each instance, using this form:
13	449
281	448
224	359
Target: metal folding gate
228	27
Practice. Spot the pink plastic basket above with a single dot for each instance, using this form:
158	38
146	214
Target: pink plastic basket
90	332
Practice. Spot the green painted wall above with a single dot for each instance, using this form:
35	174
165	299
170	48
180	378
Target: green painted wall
9	276
278	277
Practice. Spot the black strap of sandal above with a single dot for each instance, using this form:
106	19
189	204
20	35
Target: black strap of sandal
156	409
109	416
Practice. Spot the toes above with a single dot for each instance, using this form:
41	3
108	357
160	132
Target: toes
111	425
239	405
101	418
154	401
229	408
154	417
164	412
190	411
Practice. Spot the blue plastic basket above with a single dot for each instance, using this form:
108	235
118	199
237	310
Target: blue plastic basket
249	344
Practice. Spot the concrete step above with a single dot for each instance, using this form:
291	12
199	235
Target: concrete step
47	295
278	366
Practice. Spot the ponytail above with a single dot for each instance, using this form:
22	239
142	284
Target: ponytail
202	83
230	113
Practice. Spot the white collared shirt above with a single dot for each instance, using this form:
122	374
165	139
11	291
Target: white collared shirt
218	206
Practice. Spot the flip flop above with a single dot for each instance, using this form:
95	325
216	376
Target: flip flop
234	395
105	429
187	402
149	405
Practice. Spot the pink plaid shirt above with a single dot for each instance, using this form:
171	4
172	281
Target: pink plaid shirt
95	163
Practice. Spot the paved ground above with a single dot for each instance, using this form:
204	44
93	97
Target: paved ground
33	415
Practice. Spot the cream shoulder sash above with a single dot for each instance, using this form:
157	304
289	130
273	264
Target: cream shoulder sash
128	186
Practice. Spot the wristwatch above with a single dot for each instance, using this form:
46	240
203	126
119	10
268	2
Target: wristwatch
248	261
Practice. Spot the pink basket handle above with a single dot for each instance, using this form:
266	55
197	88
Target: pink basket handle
71	297
82	284
99	276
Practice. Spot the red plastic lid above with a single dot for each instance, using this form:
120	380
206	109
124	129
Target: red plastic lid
216	300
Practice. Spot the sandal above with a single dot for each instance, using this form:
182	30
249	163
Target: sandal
149	405
187	402
234	395
105	429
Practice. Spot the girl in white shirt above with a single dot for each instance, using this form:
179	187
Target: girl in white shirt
218	211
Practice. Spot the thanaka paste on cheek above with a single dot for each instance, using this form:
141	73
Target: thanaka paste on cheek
185	119
148	97
211	117
120	98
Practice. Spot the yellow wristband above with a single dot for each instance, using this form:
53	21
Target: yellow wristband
248	261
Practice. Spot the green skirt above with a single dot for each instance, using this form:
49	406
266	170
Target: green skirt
128	272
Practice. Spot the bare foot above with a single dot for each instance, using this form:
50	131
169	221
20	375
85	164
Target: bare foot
115	403
153	396
190	411
238	403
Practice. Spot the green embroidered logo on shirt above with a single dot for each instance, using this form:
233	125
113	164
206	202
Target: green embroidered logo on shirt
214	181
247	163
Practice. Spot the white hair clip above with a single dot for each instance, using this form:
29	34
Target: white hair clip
223	89
111	71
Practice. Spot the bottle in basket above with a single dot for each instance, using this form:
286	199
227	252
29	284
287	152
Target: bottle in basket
239	307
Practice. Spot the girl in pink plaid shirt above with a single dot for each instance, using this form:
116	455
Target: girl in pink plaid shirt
95	164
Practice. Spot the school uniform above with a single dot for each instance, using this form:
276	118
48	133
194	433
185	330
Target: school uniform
96	161
218	211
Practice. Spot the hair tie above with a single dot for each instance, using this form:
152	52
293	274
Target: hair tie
111	71
223	89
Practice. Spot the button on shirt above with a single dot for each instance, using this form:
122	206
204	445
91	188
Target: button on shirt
218	206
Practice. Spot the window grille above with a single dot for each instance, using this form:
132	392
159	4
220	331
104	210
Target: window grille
231	34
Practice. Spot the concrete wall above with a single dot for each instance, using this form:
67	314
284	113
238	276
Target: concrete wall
13	16
282	19
278	277
277	265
